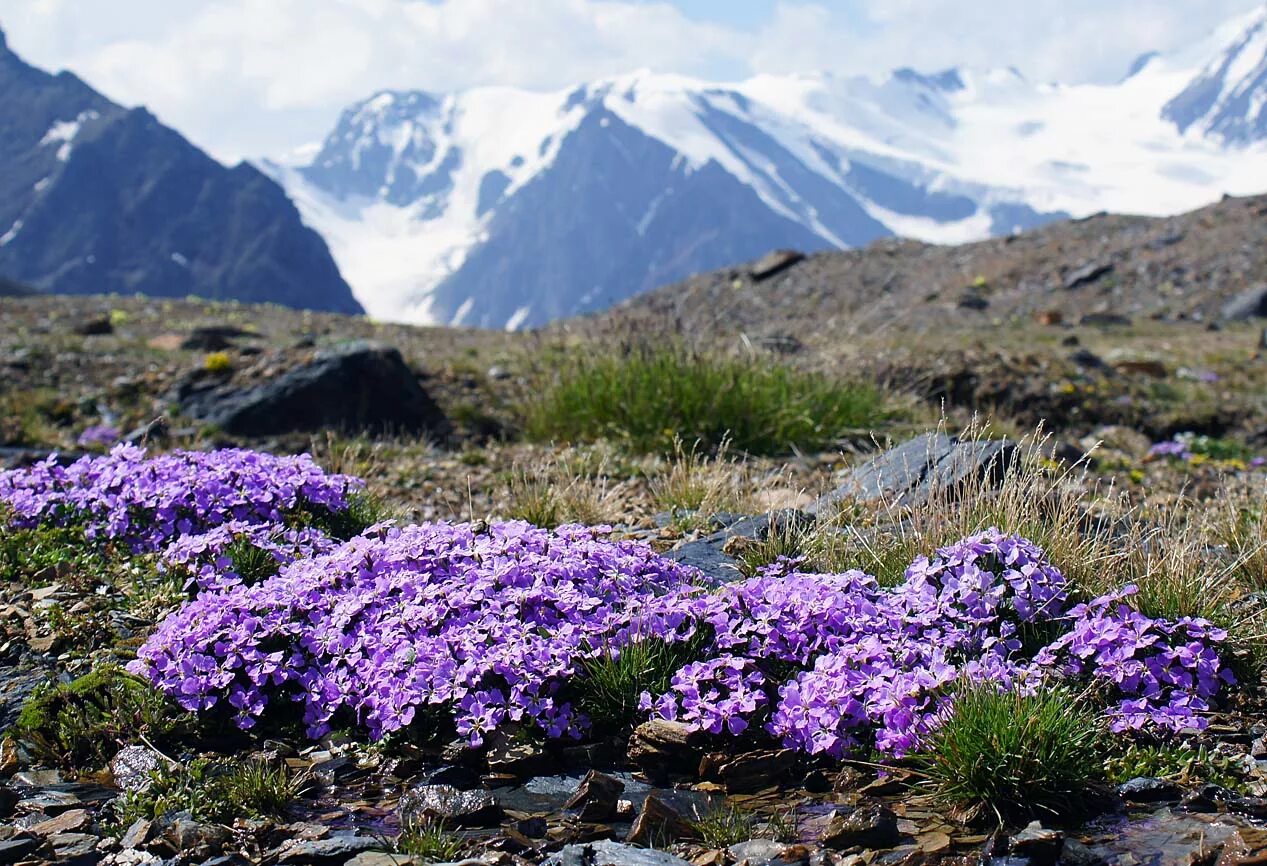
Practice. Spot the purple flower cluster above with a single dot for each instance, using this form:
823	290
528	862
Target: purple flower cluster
493	625
1164	672
488	625
147	502
207	559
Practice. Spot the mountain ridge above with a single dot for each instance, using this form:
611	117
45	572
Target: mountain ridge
477	208
98	198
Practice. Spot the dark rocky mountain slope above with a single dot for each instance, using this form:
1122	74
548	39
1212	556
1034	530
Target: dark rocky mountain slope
97	198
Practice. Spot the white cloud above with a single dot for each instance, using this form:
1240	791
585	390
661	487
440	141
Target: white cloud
248	77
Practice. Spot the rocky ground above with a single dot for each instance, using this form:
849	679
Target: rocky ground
433	419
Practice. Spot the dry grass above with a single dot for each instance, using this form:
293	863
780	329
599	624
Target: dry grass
572	486
694	485
1061	508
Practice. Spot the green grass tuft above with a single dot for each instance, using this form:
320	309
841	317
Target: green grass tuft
612	682
1015	755
432	841
652	397
218	791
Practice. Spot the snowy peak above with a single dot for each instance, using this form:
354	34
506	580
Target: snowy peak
509	208
1227	100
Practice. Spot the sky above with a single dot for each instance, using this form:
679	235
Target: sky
252	78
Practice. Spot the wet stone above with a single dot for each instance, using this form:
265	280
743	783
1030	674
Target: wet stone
448	804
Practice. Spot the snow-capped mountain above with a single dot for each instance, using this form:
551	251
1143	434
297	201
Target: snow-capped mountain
502	207
1228	99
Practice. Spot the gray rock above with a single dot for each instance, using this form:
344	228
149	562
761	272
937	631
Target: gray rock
356	387
774	263
708	554
320	852
451	805
914	470
76	849
1087	274
1037	844
18	848
608	853
1250	304
16	685
181	833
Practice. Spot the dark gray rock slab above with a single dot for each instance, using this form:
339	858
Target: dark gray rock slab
319	852
356	387
708	554
913	471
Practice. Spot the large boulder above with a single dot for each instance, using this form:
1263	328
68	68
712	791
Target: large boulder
919	468
355	387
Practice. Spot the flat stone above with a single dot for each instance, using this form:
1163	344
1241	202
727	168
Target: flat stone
714	554
325	852
18	848
136	834
608	853
76	849
50	803
756	851
63	823
381	858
